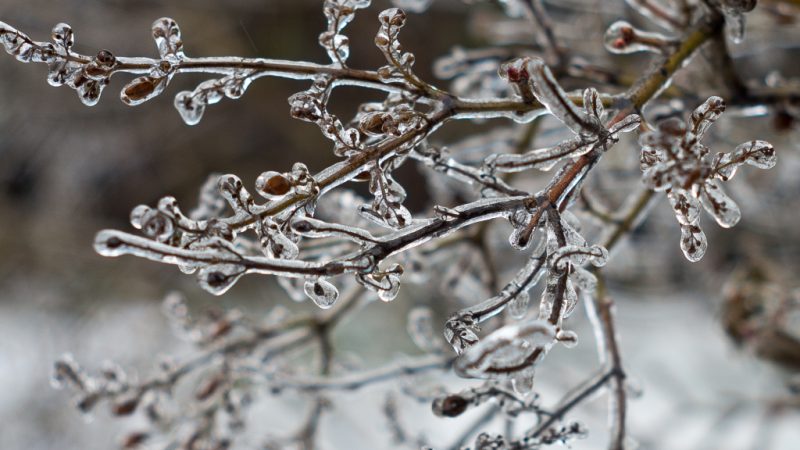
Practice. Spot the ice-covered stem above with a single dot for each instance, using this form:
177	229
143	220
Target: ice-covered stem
617	399
646	88
357	380
575	397
26	49
116	243
651	84
721	59
299	330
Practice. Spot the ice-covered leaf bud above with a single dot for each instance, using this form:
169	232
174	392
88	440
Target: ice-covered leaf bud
167	35
142	89
273	185
63	36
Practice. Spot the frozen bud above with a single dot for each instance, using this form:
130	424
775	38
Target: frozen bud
63	36
393	17
373	124
67	372
168	37
516	73
142	89
208	387
87	402
105	58
218	278
337	45
125	406
305	107
450	406
623	38
273	185
157	225
459	331
133	440
321	292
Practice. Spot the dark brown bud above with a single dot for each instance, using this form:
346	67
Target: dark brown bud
450	406
125	407
273	184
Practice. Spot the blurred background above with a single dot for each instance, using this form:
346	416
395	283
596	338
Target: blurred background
67	171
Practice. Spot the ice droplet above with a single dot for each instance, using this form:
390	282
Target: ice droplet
321	292
523	383
518	306
567	338
390	294
693	242
189	107
218	278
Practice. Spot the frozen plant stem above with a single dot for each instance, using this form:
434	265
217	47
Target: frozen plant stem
309	244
